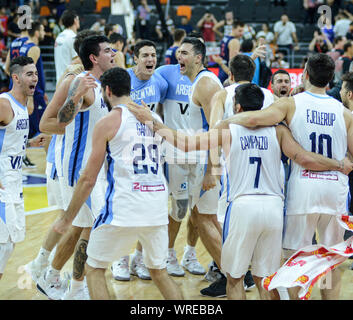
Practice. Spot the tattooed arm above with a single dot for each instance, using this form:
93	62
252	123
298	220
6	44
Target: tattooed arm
75	98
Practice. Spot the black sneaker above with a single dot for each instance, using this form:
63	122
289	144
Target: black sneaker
27	163
248	281
217	289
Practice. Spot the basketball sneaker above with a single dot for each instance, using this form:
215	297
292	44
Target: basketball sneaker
120	269
138	268
80	294
35	269
217	289
190	263
173	266
53	286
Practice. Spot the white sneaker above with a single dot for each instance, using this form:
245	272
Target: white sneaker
81	294
190	263
138	268
53	288
35	270
120	269
173	267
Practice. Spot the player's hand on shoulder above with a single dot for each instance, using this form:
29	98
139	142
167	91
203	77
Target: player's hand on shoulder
87	82
141	112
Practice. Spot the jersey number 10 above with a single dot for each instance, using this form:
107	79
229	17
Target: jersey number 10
317	145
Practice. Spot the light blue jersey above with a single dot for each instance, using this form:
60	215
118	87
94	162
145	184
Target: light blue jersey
151	91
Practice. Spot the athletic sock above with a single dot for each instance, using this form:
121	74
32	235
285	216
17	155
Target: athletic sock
76	285
43	256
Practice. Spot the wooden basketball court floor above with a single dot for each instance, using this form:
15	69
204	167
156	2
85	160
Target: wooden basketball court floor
16	284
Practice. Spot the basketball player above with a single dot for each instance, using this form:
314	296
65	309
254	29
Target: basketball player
230	46
124	218
14	128
83	107
151	88
49	125
242	69
254	219
203	201
322	124
281	84
177	170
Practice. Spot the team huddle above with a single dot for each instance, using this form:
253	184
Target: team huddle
125	142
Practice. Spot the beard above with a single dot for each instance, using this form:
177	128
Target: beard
107	102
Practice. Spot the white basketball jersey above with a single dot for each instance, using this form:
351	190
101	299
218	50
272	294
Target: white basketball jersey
318	125
78	137
196	121
254	164
137	193
229	103
13	140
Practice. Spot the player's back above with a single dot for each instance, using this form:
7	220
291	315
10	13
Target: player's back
318	125
13	139
137	193
15	47
254	164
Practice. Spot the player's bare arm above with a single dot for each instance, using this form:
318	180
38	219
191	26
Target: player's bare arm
306	159
281	109
76	96
49	123
6	112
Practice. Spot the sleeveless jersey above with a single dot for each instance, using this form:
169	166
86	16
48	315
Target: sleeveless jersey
170	56
224	54
51	157
229	103
151	91
254	164
15	47
318	125
13	140
137	193
40	88
176	105
196	120
73	69
78	137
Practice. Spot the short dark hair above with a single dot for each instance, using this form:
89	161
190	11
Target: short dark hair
179	34
197	45
90	45
35	27
68	18
115	37
321	69
279	71
347	45
348	78
242	68
143	43
83	35
337	39
247	45
249	96
195	34
118	80
238	23
18	63
108	27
